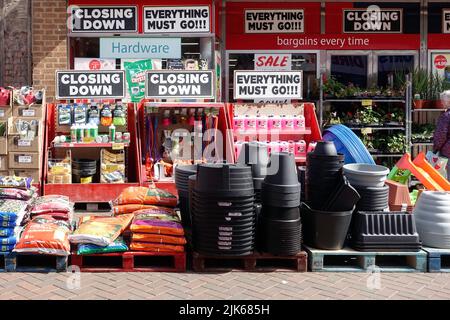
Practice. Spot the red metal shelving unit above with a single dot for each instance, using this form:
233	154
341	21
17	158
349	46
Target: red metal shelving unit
96	192
223	125
310	134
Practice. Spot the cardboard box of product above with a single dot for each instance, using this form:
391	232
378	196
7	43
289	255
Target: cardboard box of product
35	174
24	160
3	146
3	163
17	144
4	173
36	111
5	112
14	123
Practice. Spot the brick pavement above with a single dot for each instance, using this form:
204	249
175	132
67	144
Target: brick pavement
236	286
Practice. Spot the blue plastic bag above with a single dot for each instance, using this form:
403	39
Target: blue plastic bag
117	246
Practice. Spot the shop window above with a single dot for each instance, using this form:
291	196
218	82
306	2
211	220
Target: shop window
350	69
391	66
307	62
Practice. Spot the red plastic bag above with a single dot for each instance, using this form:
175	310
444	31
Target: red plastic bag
4	97
45	235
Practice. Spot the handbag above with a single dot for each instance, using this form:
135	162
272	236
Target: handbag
438	162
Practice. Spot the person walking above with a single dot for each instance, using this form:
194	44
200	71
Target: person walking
441	138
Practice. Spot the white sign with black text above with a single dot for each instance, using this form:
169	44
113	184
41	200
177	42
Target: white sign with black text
275	21
446	21
254	85
90	84
99	19
177	19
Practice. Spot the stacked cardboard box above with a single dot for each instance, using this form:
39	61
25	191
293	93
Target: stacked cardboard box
5	113
25	141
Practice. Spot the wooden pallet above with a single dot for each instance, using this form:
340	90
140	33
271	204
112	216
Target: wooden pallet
438	260
348	260
20	262
130	262
253	263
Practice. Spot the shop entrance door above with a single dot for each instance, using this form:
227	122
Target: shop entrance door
370	68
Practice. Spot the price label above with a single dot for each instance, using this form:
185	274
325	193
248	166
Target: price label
2	113
24	143
118	146
25	159
366	103
366	130
29	113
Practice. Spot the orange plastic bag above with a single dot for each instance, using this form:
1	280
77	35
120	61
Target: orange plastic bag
158	238
100	231
45	235
148	196
154	247
157	221
131	208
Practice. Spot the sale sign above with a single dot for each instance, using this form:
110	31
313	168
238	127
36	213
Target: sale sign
273	62
253	85
373	21
446	21
177	19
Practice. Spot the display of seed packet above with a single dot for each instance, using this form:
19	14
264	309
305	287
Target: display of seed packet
135	72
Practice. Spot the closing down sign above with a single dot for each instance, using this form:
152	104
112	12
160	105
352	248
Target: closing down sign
90	84
180	84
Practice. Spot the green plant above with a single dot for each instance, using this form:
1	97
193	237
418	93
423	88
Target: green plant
3	129
396	143
369	116
334	88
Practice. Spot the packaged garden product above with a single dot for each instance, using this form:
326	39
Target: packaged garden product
64	115
15	182
9	232
4	96
120	118
153	247
52	203
106	116
166	226
142	195
157	212
100	231
7	247
17	194
135	72
117	246
12	240
157	238
45	235
131	208
12	210
80	114
94	115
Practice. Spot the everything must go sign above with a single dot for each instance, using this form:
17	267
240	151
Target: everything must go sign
90	84
373	21
180	84
185	19
253	85
275	21
102	19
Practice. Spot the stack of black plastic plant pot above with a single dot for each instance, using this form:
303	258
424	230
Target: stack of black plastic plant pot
280	230
182	174
223	210
330	199
255	155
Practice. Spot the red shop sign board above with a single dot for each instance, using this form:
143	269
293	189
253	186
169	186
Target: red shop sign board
310	39
157	3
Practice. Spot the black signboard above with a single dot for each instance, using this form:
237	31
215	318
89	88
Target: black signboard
102	19
90	84
378	20
180	84
446	21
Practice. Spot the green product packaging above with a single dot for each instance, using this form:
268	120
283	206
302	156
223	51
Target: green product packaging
135	72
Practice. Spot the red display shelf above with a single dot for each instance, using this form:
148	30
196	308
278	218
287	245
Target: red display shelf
223	125
96	192
87	145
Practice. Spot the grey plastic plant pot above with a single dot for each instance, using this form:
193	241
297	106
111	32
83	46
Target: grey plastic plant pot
366	175
432	215
324	229
282	169
255	155
325	148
